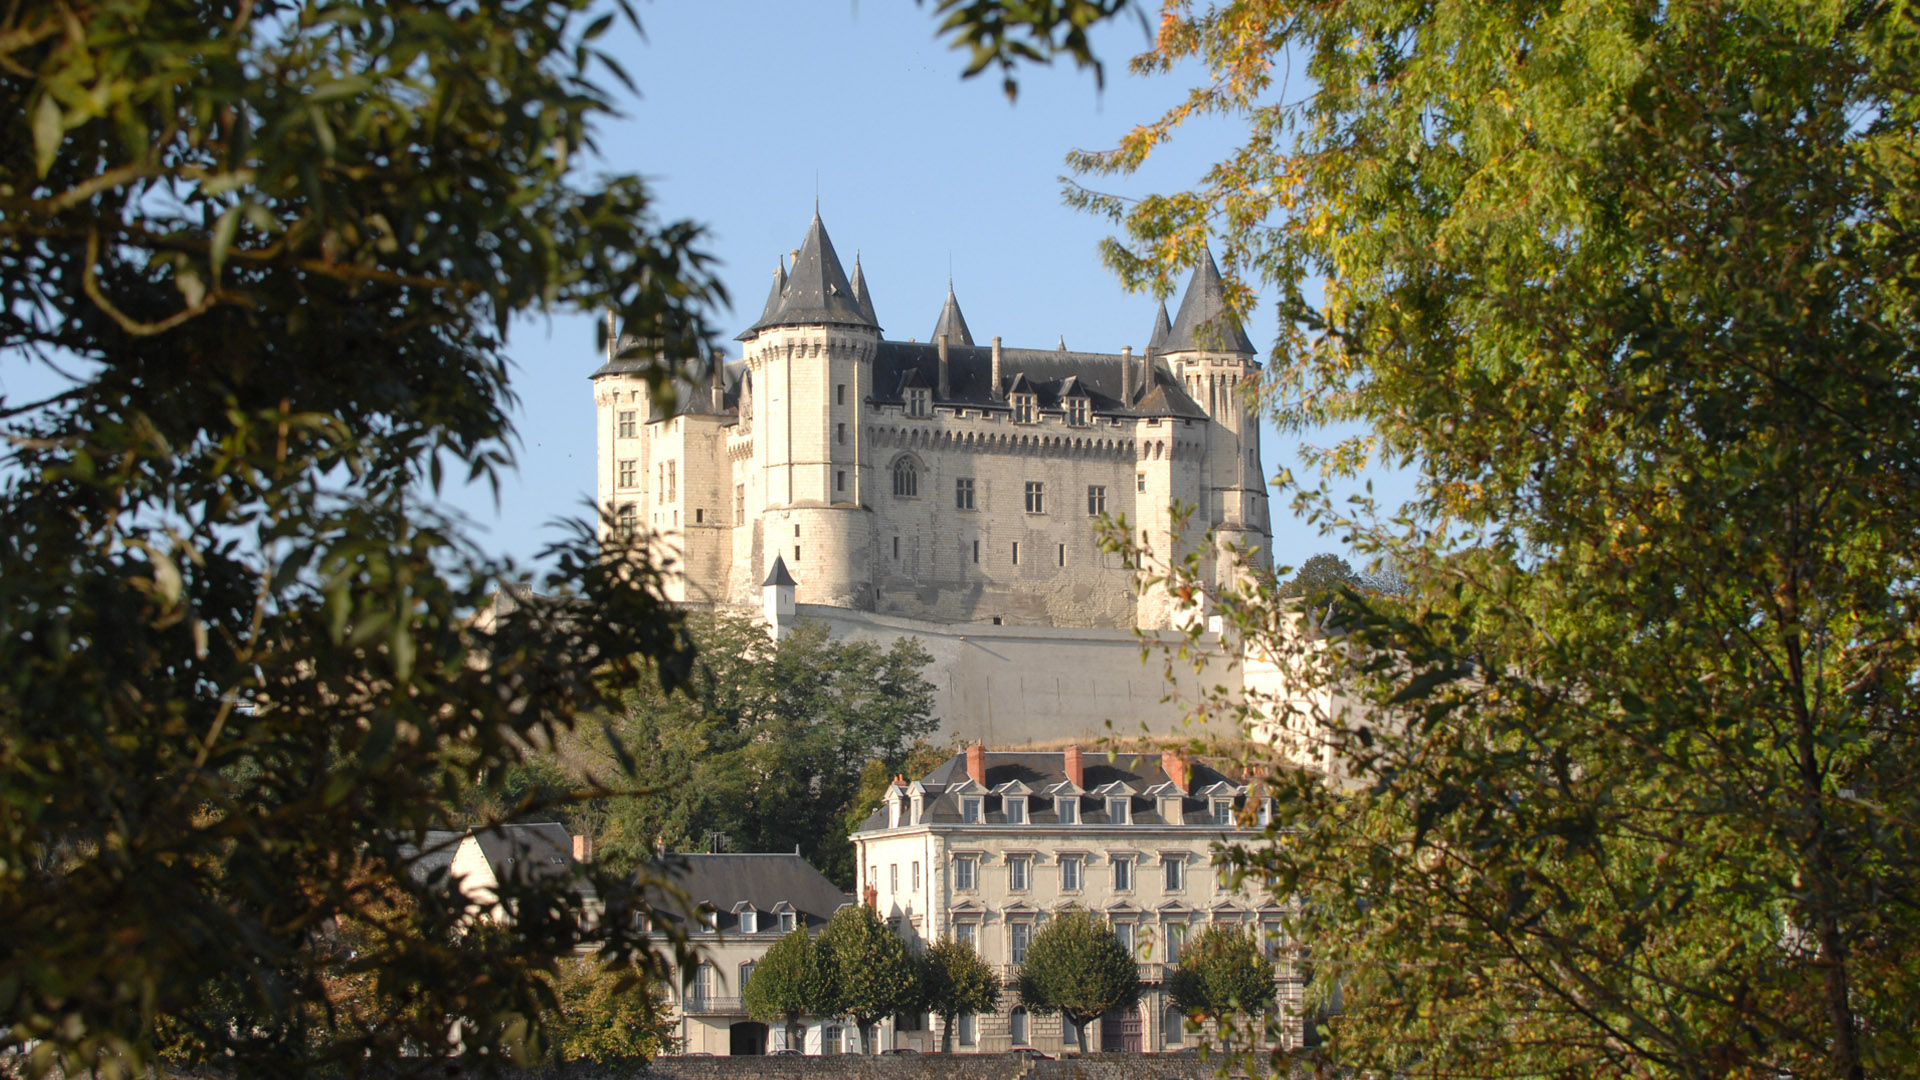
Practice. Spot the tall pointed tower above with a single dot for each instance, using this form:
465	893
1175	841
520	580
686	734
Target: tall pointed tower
809	358
1208	351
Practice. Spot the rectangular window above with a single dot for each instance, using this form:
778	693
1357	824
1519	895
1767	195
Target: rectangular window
967	934
673	481
840	480
796	553
840	434
1019	872
1117	807
1016	553
965	869
976	552
840	393
1124	931
1070	873
970	810
963	493
699	516
966	1033
1076	410
1036	497
1063	554
1264	814
1016	810
1024	411
1176	873
896	548
1096	499
629	472
627	521
893	877
916	875
749	922
1122	875
629	423
1223	813
1176	940
1140	482
787	922
919	402
1069	808
739	504
1019	935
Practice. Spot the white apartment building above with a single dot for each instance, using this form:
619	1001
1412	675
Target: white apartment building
988	845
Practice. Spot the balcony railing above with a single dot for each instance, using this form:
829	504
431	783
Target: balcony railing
708	1005
1150	972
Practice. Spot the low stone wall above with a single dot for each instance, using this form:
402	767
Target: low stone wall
903	1067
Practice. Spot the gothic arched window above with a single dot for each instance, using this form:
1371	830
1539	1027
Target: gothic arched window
906	479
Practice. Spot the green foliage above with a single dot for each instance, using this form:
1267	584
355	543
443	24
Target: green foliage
276	246
1631	286
1223	971
763	743
1007	33
1076	966
876	977
954	980
797	977
609	1015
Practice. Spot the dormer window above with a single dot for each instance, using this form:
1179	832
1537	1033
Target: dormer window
919	402
1016	809
970	810
918	807
1069	809
1026	408
788	920
1076	411
1118	810
1223	812
749	922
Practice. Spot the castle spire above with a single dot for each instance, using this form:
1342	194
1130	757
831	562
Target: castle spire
1162	329
817	290
860	295
1205	323
952	323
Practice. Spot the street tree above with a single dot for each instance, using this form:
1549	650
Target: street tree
1629	288
956	981
1224	976
875	974
1077	966
797	978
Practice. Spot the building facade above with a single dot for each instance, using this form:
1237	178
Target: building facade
988	845
944	480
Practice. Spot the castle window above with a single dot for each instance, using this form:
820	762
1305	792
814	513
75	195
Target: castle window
1076	410
629	472
739	504
840	434
796	553
1016	553
976	552
699	516
673	482
1096	499
1063	554
627	521
896	547
1025	408
840	480
906	479
919	402
839	393
1036	497
1140	482
963	493
629	421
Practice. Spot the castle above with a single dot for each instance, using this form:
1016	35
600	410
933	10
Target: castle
939	482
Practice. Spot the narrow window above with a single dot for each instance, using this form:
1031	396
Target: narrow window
673	481
840	480
1016	553
976	552
1176	874
1036	497
916	875
1069	808
1140	482
1123	875
699	516
1070	873
893	877
1096	499
1019	874
629	472
840	393
896	548
970	810
1063	554
1019	935
739	504
840	434
796	553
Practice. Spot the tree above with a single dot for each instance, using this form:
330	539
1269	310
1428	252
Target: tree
610	1015
763	742
1223	971
875	975
797	977
1078	967
1630	287
1320	574
956	981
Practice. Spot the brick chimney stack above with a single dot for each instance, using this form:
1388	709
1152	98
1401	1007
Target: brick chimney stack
1175	766
977	763
583	849
1076	774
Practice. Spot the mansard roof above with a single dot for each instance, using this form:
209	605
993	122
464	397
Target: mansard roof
951	323
1205	324
817	290
1016	771
732	883
1047	374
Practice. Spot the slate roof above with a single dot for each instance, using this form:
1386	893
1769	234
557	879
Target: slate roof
1204	323
432	856
768	882
817	291
860	294
970	378
1162	329
527	853
951	323
1138	776
779	575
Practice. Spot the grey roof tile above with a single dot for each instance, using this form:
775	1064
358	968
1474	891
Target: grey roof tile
970	378
779	575
1204	323
951	322
773	300
817	290
727	883
1157	343
860	294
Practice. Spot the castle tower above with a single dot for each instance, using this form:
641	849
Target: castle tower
1208	351
809	361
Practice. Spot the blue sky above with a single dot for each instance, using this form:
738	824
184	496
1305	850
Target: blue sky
746	105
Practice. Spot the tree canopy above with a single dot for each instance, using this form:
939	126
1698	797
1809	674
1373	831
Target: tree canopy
955	981
798	977
1077	966
1630	286
1223	972
875	974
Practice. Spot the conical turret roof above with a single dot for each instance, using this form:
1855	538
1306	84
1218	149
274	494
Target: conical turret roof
1162	329
952	323
1205	324
817	290
778	575
773	302
860	295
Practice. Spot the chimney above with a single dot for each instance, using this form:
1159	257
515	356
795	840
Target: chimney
1146	373
945	384
1126	376
977	763
1175	766
583	849
1076	774
997	395
719	385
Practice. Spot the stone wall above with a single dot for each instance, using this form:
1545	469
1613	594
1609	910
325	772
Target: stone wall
924	1067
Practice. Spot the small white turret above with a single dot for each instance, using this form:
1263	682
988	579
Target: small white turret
776	593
